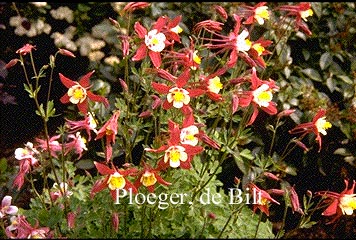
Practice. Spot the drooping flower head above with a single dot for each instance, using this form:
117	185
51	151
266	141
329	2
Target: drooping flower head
109	131
78	92
27	158
264	198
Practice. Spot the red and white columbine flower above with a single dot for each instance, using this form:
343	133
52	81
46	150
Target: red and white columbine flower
177	95
153	42
343	203
237	43
301	11
176	154
212	85
317	125
148	177
190	133
258	13
115	179
260	96
78	92
263	202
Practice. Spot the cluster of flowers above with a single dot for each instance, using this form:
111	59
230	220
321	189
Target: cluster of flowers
176	93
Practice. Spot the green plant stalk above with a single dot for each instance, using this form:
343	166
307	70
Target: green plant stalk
258	224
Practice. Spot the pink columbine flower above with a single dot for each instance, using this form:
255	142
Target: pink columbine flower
148	177
260	96
79	93
21	228
109	130
88	124
27	159
115	179
76	143
54	145
317	125
7	208
27	48
343	203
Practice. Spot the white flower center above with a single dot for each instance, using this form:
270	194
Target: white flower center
155	41
77	94
175	154
187	135
262	95
321	124
178	96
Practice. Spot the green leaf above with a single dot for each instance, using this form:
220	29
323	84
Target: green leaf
40	112
312	73
85	164
346	79
325	60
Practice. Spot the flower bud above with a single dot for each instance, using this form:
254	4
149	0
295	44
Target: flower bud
11	63
66	52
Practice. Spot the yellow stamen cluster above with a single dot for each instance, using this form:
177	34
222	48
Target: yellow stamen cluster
306	13
148	179
321	124
116	181
259	48
178	96
77	94
155	41
261	13
175	154
263	95
215	85
348	204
